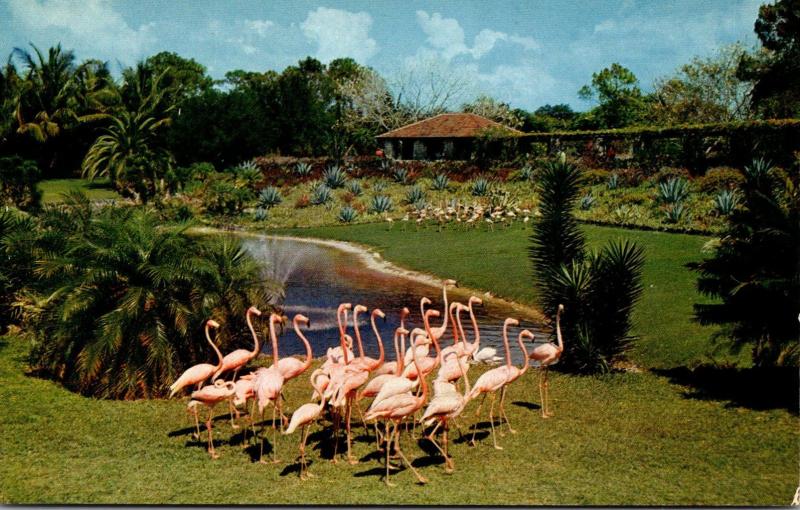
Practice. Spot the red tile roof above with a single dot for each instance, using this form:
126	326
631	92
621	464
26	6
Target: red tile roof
448	125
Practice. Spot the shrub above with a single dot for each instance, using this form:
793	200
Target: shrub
673	191
440	182
420	205
354	187
18	183
414	194
676	212
480	187
322	195
223	196
347	214
269	197
261	214
334	177
400	175
247	175
630	177
594	176
302	169
726	201
720	178
666	173
380	204
586	202
302	201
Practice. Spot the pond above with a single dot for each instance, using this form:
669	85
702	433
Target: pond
317	278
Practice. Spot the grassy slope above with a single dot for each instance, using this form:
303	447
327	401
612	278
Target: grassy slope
98	190
621	439
495	260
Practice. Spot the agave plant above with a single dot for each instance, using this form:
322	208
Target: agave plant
347	214
400	175
269	197
440	182
334	177
322	195
613	182
676	212
354	187
247	175
420	205
379	186
726	201
480	187
302	169
380	204
414	194
525	173
587	202
673	191
261	214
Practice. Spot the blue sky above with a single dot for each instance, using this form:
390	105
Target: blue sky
526	53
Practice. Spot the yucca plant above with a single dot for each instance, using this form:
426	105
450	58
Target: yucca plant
480	187
440	182
613	182
354	187
380	204
334	177
400	175
726	201
414	194
302	169
261	214
269	197
587	202
673	190
322	195
347	214
676	212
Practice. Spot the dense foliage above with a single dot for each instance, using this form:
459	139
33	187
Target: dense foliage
18	183
754	270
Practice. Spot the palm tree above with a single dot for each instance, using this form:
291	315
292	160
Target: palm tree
126	298
10	86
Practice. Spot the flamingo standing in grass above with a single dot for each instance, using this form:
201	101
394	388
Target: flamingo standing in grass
390	367
240	357
290	366
489	383
267	387
210	396
304	416
514	373
397	408
197	374
546	355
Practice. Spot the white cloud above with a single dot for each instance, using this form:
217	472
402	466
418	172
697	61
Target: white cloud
340	33
93	25
446	36
605	26
258	26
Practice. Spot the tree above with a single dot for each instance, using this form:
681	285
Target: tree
598	289
617	91
486	106
775	70
705	90
549	118
126	298
16	268
19	180
754	271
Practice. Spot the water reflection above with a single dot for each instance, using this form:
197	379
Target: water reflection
317	278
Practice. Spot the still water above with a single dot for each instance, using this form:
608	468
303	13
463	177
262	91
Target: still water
317	278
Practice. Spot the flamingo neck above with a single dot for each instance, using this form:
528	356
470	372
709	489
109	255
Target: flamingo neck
506	345
255	336
527	361
558	331
342	333
433	339
420	375
214	346
381	353
453	323
460	326
401	358
309	355
397	369
445	315
477	342
274	337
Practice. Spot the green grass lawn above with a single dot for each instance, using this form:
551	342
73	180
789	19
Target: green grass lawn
496	261
96	190
632	438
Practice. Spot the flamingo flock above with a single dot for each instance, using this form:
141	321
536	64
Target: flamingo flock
399	389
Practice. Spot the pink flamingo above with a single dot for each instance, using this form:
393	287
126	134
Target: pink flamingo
210	396
454	357
197	374
427	364
514	373
290	366
489	383
439	331
397	408
303	417
390	367
546	355
267	387
363	361
240	357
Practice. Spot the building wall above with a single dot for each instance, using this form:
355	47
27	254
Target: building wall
428	148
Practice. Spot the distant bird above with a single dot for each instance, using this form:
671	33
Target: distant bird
197	374
304	416
210	396
546	355
240	357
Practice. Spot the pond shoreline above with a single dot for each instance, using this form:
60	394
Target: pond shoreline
373	260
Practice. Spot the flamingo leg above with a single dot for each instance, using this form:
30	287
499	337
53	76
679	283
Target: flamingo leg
388	444
475	425
449	466
275	409
335	434
546	400
348	415
432	439
261	455
491	422
232	408
503	414
420	478
210	437
196	423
